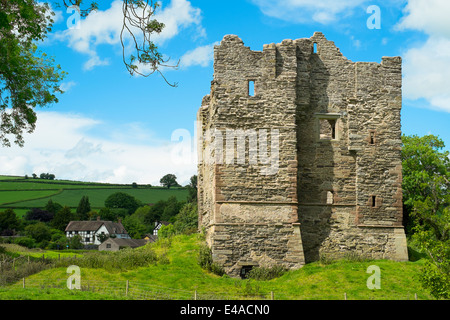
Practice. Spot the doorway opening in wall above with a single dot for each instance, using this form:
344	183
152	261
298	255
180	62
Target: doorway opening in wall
245	271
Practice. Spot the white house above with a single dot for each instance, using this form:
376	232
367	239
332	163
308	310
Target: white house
89	231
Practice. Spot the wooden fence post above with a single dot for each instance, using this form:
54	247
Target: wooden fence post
271	295
23	283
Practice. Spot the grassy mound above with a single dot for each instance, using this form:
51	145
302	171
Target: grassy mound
174	273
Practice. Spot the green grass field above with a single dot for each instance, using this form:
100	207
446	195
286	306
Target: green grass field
182	276
22	194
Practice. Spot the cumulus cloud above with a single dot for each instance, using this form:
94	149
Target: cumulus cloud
429	16
302	11
201	56
62	145
104	28
426	66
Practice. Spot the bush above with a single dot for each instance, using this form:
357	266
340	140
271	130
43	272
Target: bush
186	221
260	273
166	231
121	260
25	242
205	261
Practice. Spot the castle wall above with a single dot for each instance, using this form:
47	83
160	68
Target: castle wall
320	170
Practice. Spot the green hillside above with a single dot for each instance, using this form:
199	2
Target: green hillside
22	194
175	274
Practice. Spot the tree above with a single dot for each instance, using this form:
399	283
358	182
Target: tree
28	77
122	200
169	180
138	25
8	222
171	209
75	242
83	209
426	179
134	226
426	185
186	221
52	207
39	232
36	214
62	218
192	189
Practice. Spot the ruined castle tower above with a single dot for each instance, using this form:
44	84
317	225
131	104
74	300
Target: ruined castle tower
299	156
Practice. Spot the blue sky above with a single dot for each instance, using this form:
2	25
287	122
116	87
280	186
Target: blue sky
112	127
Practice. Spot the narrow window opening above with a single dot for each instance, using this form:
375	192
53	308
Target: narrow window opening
251	88
372	138
330	197
373	201
333	129
327	129
315	47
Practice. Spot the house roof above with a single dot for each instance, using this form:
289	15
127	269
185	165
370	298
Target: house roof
133	243
112	227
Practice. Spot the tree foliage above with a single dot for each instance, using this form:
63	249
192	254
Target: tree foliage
122	200
192	189
169	180
83	209
8	222
28	77
139	25
426	198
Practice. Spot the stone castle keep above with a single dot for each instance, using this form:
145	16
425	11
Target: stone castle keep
331	130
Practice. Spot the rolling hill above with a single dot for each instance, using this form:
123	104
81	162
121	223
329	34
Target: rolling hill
22	194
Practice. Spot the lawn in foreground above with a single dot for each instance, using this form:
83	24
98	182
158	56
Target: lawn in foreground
180	277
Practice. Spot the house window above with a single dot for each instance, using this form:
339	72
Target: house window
87	239
108	245
327	129
251	88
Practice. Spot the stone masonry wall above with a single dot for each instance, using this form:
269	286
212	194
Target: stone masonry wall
319	172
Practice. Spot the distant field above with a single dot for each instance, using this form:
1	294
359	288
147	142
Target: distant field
21	194
15	196
97	197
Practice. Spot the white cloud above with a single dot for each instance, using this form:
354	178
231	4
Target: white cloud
429	16
302	11
426	66
63	145
201	56
104	27
66	86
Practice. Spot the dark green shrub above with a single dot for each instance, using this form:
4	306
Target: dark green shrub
205	261
260	273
